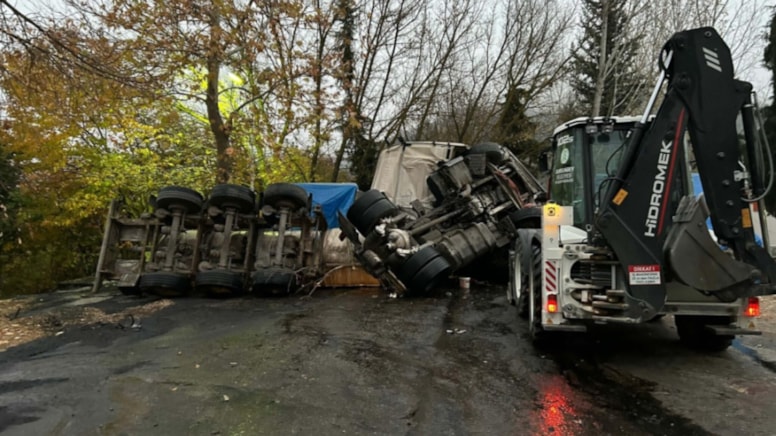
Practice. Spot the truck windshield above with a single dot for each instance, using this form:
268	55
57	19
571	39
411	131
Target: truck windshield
568	174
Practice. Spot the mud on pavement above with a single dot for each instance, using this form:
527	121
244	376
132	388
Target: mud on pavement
345	362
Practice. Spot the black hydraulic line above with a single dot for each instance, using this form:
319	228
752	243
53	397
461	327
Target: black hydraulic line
755	166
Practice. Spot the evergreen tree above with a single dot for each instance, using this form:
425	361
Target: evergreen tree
604	75
363	161
769	112
517	131
363	152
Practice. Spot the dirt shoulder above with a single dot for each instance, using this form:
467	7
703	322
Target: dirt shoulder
27	318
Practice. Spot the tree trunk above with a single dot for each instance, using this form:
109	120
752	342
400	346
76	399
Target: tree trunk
602	60
224	152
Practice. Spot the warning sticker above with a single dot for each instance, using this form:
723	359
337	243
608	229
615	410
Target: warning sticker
644	274
620	197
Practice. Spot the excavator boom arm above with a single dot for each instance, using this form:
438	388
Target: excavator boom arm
649	215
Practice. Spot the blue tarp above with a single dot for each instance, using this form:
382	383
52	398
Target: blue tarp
698	190
332	197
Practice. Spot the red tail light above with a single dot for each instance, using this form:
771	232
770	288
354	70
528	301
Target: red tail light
552	304
753	307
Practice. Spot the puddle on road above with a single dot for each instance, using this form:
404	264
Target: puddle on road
556	414
623	394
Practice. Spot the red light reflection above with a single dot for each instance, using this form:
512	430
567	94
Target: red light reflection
555	413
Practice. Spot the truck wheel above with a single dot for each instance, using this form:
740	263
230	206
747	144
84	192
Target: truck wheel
423	270
219	283
177	196
528	218
165	284
368	209
280	195
363	201
535	331
694	334
239	197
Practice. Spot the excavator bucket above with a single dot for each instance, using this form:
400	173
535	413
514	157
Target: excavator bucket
699	262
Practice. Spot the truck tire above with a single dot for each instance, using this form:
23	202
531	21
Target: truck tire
694	334
363	201
239	197
273	281
527	218
165	284
219	283
280	195
369	209
423	270
171	197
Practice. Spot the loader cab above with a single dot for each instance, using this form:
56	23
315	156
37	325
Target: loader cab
584	151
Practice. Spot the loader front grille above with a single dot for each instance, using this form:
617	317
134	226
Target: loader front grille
592	273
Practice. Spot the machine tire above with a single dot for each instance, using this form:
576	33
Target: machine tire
238	197
694	334
513	255
219	283
171	197
165	284
280	195
273	281
527	218
369	209
535	331
423	270
492	151
523	253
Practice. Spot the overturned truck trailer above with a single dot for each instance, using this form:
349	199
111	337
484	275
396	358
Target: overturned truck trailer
435	208
231	242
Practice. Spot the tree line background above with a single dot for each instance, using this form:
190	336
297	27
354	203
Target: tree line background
104	99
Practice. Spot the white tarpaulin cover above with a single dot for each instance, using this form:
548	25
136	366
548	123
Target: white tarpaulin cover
402	170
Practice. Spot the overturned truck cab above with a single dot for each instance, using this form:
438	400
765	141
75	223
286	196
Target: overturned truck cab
435	208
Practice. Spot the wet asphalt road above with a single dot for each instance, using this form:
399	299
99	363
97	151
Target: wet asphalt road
357	362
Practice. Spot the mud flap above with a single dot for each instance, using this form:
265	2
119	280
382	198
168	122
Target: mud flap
348	229
697	261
